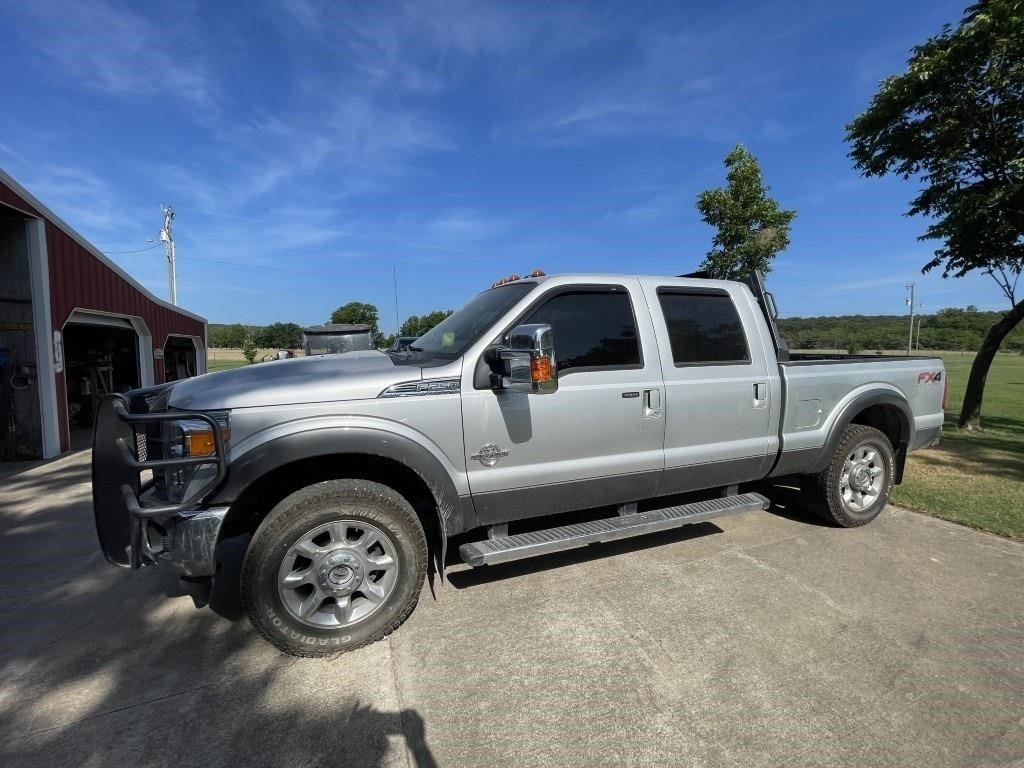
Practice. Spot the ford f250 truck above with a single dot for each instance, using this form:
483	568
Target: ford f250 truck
637	404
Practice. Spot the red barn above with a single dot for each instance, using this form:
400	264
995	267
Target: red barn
73	327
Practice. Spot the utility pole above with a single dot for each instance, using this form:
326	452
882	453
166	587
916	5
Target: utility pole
910	303
167	238
920	317
394	274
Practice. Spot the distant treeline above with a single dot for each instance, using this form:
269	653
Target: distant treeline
273	336
947	329
952	329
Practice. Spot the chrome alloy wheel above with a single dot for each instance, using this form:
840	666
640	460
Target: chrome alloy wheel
863	475
338	574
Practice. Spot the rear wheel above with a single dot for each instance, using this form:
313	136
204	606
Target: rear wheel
854	488
334	566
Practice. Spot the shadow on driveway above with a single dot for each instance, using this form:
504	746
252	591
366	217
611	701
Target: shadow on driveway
99	667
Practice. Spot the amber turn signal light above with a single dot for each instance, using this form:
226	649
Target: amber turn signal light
202	443
540	369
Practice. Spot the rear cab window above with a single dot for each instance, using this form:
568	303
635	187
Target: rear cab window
704	327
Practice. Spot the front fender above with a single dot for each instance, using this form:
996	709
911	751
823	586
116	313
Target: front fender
254	459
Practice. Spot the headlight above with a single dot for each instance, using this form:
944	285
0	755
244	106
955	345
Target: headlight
189	438
194	437
197	438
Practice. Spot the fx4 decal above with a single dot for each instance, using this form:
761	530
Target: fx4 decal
929	377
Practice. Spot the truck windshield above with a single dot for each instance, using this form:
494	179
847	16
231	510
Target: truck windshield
451	337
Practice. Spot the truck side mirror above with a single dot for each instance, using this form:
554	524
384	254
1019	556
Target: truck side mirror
530	360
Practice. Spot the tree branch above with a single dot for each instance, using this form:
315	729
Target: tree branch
1008	288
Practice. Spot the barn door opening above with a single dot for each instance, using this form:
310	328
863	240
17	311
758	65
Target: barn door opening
101	357
21	434
180	358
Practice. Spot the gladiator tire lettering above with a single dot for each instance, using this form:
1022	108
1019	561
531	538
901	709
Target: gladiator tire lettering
376	506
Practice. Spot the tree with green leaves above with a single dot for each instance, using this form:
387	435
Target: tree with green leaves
954	121
752	227
280	336
249	348
417	325
357	312
226	335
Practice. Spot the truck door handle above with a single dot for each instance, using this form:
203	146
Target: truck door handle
652	403
760	395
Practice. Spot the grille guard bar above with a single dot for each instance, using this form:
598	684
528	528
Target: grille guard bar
120	512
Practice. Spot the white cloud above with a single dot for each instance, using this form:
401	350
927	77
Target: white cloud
673	81
860	285
345	140
464	224
663	205
417	45
10	152
820	191
116	50
77	195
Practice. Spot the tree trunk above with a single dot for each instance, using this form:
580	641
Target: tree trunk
970	414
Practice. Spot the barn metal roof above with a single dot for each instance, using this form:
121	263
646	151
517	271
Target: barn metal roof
58	222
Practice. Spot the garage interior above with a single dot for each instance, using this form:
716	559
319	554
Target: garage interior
100	359
20	420
179	358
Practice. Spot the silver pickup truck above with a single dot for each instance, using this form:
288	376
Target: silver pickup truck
635	403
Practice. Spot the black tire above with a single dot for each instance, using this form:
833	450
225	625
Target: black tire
353	501
823	493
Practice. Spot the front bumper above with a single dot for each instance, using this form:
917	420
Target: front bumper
134	526
190	543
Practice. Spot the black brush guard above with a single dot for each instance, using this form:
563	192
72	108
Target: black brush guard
117	488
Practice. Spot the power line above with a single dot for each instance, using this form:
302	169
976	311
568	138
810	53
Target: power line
222	215
325	274
141	250
228	262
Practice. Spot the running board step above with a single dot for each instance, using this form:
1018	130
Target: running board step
506	548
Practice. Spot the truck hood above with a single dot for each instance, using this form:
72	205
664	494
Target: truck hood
319	379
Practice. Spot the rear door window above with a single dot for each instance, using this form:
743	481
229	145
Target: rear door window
703	328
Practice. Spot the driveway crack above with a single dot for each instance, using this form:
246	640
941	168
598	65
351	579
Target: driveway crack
789	578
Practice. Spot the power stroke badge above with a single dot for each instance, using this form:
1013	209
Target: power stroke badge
489	454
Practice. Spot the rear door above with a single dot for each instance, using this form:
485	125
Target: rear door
718	389
598	439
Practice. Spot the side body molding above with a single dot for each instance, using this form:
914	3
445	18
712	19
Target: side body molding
455	513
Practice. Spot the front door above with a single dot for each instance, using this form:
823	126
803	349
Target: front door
598	439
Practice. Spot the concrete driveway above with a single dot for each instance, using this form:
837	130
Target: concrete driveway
767	639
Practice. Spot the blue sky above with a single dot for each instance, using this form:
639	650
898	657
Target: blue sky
325	145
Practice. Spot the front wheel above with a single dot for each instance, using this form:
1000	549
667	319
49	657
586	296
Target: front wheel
854	488
334	566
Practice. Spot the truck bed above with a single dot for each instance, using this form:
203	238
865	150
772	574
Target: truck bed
838	357
820	389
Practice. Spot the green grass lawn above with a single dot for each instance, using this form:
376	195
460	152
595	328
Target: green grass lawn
975	478
223	365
